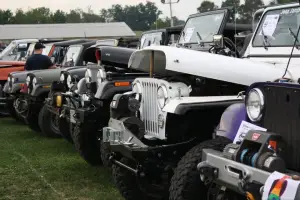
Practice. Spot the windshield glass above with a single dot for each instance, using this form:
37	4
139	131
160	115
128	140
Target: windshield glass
107	42
150	39
47	49
206	26
30	50
278	27
8	50
71	56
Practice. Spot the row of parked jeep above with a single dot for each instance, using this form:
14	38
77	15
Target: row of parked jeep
211	114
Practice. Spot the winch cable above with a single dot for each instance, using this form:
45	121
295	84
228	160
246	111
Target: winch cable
291	55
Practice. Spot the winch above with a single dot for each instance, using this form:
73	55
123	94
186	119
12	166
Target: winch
262	150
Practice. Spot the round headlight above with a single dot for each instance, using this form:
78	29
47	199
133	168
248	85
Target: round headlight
12	80
137	89
88	76
8	79
62	77
34	81
255	104
69	81
162	96
27	80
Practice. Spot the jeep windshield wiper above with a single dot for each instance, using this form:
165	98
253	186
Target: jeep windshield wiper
265	39
294	36
199	38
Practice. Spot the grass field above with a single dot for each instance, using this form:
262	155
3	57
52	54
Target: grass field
36	168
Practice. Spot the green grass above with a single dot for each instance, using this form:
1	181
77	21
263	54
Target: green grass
36	168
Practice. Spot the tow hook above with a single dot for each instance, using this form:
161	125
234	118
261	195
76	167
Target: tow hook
208	173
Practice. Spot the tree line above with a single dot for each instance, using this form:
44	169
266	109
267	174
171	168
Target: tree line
143	16
243	12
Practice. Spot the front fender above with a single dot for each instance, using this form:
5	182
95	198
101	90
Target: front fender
184	104
41	89
107	90
6	87
16	87
231	120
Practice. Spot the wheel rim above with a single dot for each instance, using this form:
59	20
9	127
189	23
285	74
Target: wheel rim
21	107
54	123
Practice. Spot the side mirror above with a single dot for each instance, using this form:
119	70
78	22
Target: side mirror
218	41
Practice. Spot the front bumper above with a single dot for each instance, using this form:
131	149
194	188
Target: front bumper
229	173
122	141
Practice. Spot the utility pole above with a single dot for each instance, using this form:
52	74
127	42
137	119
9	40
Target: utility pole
170	2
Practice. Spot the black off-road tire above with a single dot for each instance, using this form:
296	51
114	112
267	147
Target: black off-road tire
64	128
87	144
126	182
48	129
186	183
32	120
105	154
12	112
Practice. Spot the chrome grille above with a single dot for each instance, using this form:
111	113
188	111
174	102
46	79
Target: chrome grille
149	107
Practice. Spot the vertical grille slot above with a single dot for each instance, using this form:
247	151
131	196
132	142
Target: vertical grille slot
149	106
282	116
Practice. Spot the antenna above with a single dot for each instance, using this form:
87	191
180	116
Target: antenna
291	55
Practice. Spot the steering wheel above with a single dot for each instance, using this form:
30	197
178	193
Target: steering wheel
228	44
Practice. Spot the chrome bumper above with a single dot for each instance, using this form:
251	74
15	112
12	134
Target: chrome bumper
229	173
117	134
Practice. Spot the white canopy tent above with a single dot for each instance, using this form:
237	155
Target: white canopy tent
74	30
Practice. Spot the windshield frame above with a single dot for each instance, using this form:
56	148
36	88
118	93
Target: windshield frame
256	33
8	49
48	52
214	12
77	57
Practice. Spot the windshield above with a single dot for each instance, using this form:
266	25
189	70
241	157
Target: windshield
107	42
8	50
71	56
279	28
150	39
30	50
47	49
206	26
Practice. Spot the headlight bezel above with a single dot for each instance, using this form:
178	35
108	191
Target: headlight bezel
62	77
101	76
137	89
250	114
28	79
34	81
162	99
88	76
69	81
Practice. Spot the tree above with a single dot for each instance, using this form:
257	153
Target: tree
40	15
235	4
74	16
248	9
20	17
59	17
6	16
207	6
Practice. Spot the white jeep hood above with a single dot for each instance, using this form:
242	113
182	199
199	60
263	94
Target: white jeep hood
229	69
